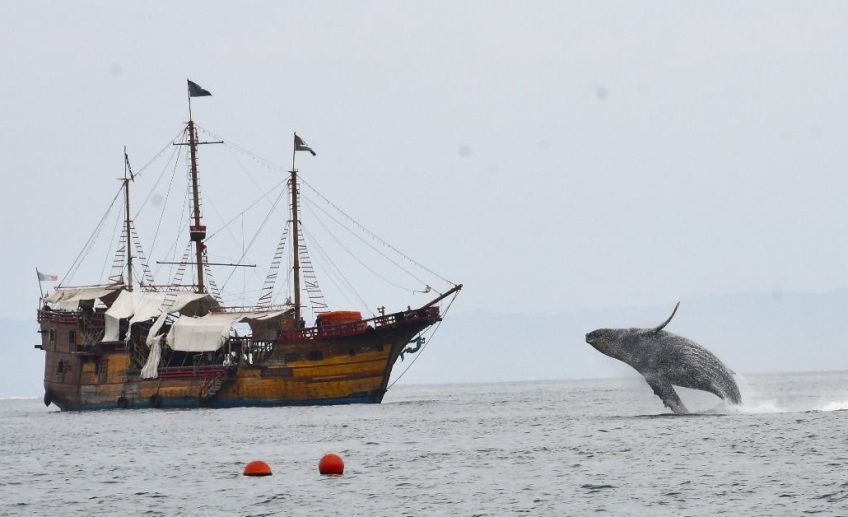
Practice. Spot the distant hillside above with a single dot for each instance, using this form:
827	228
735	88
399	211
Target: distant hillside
750	333
21	365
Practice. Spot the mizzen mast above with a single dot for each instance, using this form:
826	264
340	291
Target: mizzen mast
299	145
296	251
128	176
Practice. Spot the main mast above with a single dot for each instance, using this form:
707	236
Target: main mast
197	231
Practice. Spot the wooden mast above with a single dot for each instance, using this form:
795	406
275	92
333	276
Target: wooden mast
127	219
197	231
295	240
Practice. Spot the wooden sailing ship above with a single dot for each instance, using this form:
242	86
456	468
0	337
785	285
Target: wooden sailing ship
122	345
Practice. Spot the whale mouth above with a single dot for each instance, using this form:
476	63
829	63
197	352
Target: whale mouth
598	343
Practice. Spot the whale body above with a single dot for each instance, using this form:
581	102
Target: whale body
666	360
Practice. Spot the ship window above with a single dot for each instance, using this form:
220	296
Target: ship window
100	367
62	367
290	357
72	337
315	355
51	335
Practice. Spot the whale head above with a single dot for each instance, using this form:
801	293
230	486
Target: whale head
626	344
615	343
599	339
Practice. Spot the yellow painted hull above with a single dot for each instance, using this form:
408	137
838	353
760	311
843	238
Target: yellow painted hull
311	370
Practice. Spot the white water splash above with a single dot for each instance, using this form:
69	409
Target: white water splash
760	407
835	406
812	393
754	402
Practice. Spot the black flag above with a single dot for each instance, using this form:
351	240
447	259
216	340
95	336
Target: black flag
194	90
300	145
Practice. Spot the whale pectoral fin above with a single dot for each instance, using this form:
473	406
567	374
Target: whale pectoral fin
665	391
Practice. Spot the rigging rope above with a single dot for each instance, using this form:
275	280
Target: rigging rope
119	254
255	157
233	148
173	249
87	246
175	156
310	202
241	166
210	281
146	275
75	265
426	342
234	219
169	144
271	278
167	198
310	280
374	236
235	240
252	240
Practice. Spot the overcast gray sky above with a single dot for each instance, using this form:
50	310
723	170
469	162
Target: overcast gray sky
549	155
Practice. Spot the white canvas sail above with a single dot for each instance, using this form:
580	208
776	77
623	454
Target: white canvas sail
143	306
210	332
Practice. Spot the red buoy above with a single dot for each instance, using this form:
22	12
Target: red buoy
331	464
257	468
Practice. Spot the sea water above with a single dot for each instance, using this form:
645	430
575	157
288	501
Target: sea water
537	448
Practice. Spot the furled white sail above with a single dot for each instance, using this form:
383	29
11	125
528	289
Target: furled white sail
68	298
210	332
151	367
143	306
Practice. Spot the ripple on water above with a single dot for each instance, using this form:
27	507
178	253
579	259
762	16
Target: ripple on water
533	448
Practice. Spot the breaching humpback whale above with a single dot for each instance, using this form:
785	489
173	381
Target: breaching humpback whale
666	360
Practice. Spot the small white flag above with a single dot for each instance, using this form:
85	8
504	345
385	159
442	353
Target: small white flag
44	277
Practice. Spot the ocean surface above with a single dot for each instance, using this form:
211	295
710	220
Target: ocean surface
537	448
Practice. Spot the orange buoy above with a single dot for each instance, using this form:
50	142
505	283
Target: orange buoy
331	464
257	468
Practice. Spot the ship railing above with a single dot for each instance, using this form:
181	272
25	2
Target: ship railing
102	347
178	372
253	308
57	316
162	288
250	351
426	314
95	319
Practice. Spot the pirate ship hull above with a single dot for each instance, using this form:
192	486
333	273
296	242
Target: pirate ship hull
340	364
